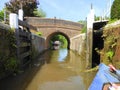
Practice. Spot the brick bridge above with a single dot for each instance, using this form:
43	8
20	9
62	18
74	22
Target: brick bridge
50	27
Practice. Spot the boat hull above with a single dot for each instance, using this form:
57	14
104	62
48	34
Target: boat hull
103	79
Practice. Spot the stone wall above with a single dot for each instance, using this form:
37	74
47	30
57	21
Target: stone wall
8	49
111	51
4	42
78	43
38	45
8	61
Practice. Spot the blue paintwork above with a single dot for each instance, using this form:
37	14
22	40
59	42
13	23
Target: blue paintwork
103	76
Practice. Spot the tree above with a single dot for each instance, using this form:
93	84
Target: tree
84	23
39	13
60	38
115	10
28	6
97	18
2	15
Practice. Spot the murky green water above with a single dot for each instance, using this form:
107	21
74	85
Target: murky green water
62	70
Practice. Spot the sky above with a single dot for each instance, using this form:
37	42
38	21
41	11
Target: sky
72	10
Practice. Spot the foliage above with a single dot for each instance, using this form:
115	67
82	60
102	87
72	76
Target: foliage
39	13
10	64
60	38
39	33
63	41
82	22
84	29
112	21
115	10
28	6
97	18
2	15
110	55
8	58
110	43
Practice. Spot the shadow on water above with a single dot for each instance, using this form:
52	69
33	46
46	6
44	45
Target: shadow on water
22	79
53	70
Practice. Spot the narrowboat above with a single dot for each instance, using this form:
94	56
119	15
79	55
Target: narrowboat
56	45
106	79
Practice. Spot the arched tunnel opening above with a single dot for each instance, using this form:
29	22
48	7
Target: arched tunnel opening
98	42
58	40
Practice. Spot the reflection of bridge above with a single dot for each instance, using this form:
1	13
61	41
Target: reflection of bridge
51	27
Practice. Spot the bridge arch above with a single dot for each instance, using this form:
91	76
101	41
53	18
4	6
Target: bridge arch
52	26
57	33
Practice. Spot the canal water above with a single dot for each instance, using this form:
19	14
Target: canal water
54	70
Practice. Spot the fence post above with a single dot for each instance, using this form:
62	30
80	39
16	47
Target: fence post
89	42
20	14
13	20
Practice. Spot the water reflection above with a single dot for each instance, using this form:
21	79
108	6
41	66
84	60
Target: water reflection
62	55
75	62
61	70
56	55
64	85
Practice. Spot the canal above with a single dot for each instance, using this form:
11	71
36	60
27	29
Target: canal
54	70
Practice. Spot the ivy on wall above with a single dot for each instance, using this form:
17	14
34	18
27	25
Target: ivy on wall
8	59
110	43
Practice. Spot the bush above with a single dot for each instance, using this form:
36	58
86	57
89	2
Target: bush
8	59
